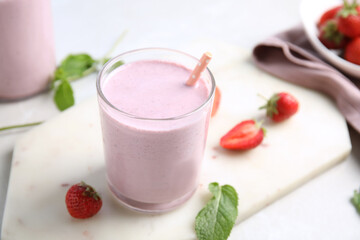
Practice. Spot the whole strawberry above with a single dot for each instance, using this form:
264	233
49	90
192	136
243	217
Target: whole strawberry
330	36
82	201
349	19
281	106
352	51
328	15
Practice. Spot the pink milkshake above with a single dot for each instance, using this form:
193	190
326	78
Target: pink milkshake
27	58
154	127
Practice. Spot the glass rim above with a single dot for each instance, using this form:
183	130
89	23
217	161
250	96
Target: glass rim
117	58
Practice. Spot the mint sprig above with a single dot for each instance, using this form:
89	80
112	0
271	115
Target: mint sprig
73	67
216	220
355	200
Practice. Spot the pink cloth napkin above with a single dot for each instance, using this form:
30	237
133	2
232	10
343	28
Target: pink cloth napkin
289	56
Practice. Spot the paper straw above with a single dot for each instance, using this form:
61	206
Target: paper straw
200	67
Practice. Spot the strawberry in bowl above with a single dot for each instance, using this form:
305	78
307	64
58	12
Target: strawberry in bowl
330	26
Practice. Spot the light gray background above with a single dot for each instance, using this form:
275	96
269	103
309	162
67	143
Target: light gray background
318	210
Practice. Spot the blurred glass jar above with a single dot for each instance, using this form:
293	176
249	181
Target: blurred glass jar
27	51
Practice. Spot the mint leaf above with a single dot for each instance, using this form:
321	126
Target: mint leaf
355	200
75	66
217	218
64	96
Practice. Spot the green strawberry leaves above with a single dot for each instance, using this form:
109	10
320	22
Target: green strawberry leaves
348	9
216	220
271	105
332	33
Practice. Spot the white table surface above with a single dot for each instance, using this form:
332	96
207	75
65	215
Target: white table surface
320	209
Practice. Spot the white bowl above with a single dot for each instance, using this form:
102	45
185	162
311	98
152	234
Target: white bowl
310	12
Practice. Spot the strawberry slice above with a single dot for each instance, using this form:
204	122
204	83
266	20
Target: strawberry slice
216	103
246	135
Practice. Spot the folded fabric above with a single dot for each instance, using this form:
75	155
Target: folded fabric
289	56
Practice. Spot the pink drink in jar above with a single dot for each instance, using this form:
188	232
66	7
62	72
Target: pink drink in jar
27	54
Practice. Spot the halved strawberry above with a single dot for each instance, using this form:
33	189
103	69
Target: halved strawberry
216	103
246	135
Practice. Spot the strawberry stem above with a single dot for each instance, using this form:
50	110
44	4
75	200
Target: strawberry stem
262	96
259	124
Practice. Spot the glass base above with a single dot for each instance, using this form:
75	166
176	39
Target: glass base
150	207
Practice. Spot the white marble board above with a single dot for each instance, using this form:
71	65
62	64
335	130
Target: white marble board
68	149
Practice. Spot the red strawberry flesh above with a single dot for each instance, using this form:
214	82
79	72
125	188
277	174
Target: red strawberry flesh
245	135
